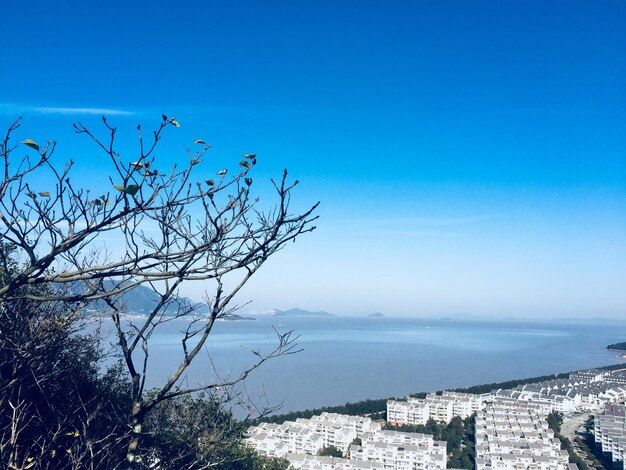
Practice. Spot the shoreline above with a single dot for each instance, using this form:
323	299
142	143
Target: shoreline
378	406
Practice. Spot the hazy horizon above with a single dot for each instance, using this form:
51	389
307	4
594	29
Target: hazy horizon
456	316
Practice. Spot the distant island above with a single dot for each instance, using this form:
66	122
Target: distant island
234	317
376	315
298	312
617	347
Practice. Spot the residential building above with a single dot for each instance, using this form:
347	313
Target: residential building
610	432
515	436
441	408
401	450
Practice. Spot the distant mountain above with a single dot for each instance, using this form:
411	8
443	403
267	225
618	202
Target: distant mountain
298	312
376	315
141	300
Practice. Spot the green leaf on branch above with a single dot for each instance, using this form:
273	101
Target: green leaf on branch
130	189
31	143
98	202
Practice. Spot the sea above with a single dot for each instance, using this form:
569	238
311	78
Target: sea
347	359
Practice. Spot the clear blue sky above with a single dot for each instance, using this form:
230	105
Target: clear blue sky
470	157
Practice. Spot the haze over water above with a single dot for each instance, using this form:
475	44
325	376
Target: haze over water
349	359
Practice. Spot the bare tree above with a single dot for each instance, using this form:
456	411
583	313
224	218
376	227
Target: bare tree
171	230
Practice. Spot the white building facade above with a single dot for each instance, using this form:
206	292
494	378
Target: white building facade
514	436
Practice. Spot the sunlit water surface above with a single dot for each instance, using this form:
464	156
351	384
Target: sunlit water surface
349	359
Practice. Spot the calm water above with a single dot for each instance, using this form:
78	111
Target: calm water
350	359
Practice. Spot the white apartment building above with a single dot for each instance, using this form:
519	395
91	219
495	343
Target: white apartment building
587	390
441	408
339	430
327	421
465	403
316	462
515	436
413	411
510	398
278	440
610	432
596	375
300	442
401	450
309	436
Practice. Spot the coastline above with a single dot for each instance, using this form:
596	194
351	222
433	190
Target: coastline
376	407
620	350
